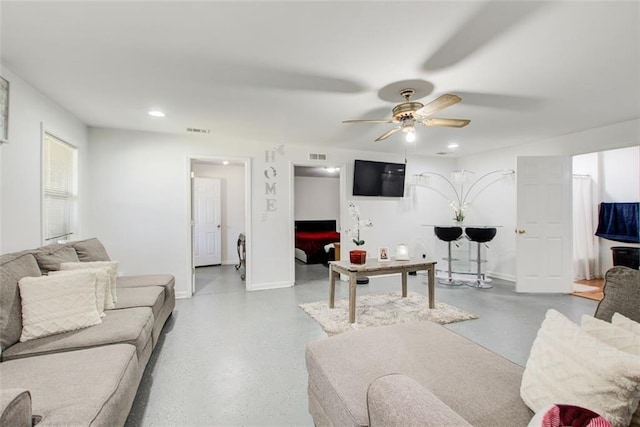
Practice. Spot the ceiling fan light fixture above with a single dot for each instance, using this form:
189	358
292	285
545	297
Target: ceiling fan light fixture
410	135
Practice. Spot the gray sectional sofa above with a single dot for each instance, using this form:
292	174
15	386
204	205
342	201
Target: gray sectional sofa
424	374
86	377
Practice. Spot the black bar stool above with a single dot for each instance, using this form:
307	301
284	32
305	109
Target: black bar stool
448	234
480	236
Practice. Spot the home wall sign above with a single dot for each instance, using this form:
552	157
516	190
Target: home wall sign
271	179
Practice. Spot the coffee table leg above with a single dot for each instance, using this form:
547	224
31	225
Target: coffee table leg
432	290
332	286
404	284
352	297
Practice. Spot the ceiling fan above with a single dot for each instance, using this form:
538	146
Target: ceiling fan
409	113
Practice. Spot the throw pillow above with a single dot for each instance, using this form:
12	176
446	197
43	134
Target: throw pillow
101	284
56	304
617	337
626	323
568	366
111	266
50	257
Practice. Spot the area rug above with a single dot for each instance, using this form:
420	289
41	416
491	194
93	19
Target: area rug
381	309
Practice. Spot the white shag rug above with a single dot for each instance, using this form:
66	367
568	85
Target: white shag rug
382	309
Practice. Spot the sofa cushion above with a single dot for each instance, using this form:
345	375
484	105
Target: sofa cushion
131	326
150	296
50	257
167	281
342	367
93	386
620	294
567	365
15	407
13	267
90	250
56	304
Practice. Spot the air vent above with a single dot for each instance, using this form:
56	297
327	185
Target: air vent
442	153
317	156
196	130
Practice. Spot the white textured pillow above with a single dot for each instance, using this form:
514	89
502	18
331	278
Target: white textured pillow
568	366
112	270
101	284
615	336
56	304
626	323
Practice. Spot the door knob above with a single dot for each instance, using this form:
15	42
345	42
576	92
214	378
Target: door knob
520	231
218	225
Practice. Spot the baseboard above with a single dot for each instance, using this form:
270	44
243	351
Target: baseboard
230	262
265	286
507	277
181	295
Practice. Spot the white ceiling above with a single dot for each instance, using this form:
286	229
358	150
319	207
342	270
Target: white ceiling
290	72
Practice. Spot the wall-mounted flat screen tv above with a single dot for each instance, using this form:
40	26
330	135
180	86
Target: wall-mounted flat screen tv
381	179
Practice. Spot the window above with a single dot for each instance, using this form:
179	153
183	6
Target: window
60	189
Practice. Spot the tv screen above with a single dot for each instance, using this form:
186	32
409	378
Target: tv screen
378	179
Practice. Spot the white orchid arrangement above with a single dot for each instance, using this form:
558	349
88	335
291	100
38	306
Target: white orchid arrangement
354	232
459	209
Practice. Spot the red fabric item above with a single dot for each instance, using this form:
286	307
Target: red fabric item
312	242
572	416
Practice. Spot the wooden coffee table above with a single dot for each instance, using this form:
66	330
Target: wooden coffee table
376	268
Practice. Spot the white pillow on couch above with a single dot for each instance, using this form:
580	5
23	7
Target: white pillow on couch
568	366
101	284
615	335
111	268
56	304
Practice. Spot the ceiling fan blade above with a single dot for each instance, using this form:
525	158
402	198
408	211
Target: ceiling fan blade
369	121
438	104
447	123
387	134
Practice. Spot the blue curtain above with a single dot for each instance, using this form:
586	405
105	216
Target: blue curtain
619	222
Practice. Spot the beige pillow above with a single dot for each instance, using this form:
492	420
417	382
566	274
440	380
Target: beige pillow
569	366
623	334
112	270
101	284
56	304
626	323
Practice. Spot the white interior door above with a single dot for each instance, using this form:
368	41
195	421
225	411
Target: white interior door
544	245
206	222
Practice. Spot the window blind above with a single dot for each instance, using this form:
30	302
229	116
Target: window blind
59	188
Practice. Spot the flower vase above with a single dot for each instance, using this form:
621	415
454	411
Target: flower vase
358	256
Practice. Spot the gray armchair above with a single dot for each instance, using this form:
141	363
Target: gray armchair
621	294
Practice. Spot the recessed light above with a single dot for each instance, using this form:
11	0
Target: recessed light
225	162
453	145
156	113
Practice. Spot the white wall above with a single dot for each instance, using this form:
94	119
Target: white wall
21	170
139	200
317	198
232	204
498	207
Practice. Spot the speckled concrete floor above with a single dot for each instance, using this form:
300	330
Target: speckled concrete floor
230	357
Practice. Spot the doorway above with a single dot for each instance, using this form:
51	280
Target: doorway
219	210
316	205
